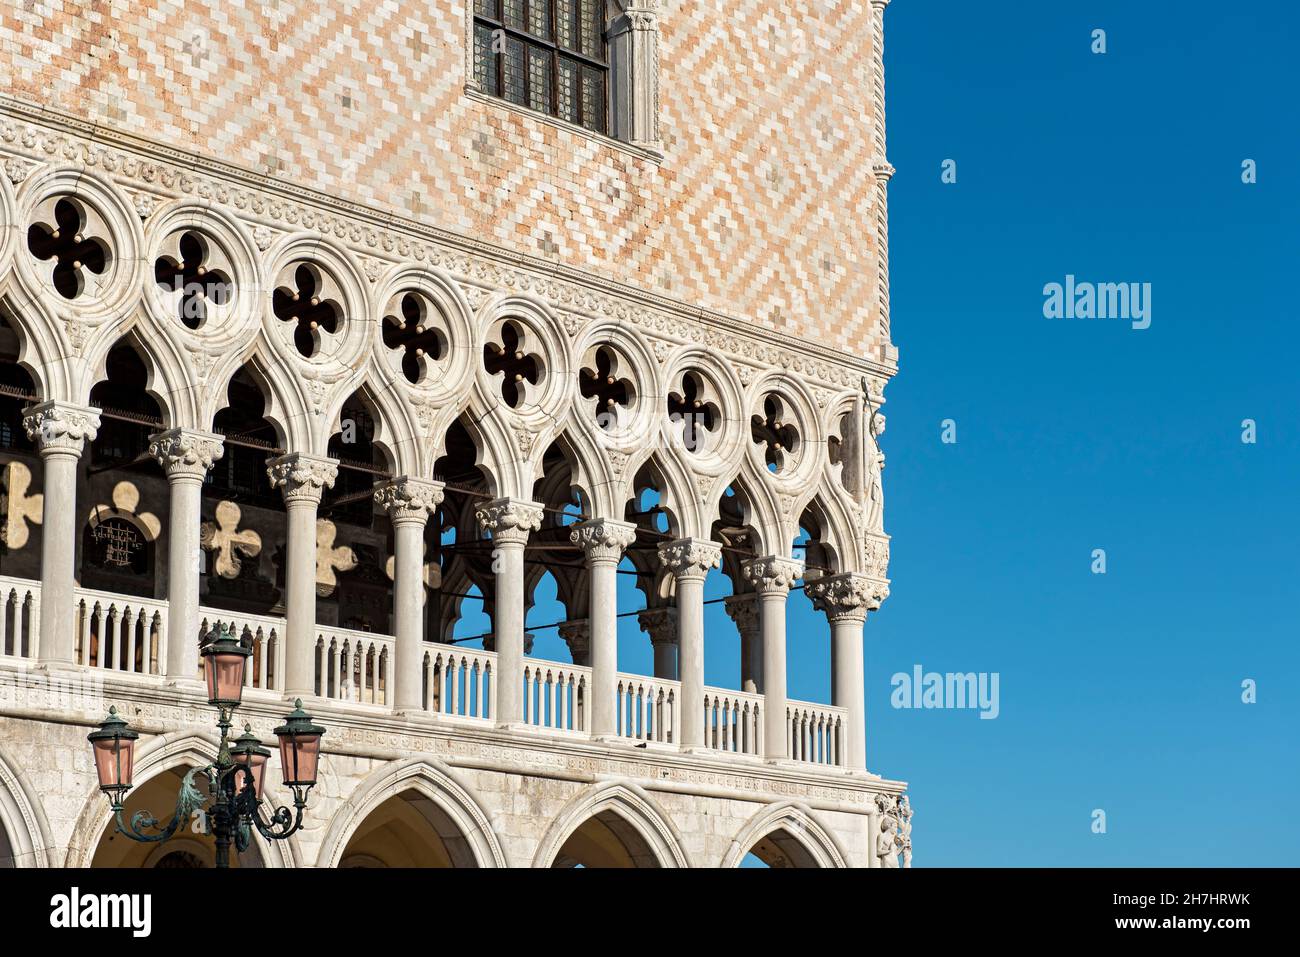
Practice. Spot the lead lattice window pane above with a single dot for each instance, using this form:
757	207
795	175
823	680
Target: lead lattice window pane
539	79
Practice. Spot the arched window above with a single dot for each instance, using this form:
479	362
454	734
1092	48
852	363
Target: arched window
547	55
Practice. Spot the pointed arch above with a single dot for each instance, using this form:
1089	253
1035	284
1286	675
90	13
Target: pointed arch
433	781
40	348
23	820
282	402
800	836
631	805
166	382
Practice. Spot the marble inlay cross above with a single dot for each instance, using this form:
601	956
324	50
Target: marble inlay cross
229	543
330	559
20	508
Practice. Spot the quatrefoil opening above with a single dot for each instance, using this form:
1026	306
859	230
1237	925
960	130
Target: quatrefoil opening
778	439
195	278
520	370
74	245
415	331
610	393
308	301
695	407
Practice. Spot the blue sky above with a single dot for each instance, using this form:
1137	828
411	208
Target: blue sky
1120	692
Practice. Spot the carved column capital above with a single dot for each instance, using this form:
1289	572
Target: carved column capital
847	597
409	500
509	520
577	635
690	558
660	624
61	428
186	453
603	540
743	610
301	477
772	575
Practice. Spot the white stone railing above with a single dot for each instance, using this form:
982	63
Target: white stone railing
459	681
126	634
121	633
815	732
556	695
648	709
733	721
264	635
353	665
20	617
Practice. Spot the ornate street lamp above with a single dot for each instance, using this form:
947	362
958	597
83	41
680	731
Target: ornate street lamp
235	779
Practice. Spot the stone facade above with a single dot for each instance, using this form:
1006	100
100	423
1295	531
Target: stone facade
457	346
753	206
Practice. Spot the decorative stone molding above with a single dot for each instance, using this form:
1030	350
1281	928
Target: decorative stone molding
887	839
509	520
772	575
875	556
846	597
302	478
577	635
904	839
186	453
743	611
690	558
265	201
660	624
603	540
61	428
407	499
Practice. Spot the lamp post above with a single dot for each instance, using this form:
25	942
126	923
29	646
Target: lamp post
235	779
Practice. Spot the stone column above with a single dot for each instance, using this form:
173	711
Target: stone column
509	521
743	609
408	502
603	540
60	431
689	560
846	599
772	577
302	479
186	456
661	625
